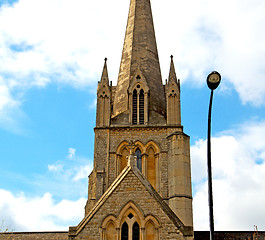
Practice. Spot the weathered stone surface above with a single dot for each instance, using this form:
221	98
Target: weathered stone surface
131	187
35	236
140	52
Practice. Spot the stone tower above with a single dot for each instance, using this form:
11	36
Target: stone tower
140	187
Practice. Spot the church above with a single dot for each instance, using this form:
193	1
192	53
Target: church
140	187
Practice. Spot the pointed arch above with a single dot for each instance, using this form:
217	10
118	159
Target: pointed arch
138	99
141	107
151	227
153	219
139	145
151	166
135	107
150	231
138	154
111	231
123	161
121	156
108	219
136	231
122	152
109	227
125	231
128	208
154	145
121	146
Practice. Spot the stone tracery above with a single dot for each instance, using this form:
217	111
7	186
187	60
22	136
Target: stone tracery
131	224
147	160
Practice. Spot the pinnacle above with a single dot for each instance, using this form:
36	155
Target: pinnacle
104	76
172	73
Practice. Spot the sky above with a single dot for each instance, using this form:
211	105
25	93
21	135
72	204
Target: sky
51	58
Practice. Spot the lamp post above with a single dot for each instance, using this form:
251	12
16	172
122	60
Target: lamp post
213	81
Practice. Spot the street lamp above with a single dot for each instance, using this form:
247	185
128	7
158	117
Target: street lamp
213	81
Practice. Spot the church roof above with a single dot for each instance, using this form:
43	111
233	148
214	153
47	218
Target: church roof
140	53
186	230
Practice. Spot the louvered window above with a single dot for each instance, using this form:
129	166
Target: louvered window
138	106
134	110
141	107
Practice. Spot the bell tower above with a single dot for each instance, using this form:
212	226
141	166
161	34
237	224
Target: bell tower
142	112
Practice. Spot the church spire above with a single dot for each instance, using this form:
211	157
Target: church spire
140	59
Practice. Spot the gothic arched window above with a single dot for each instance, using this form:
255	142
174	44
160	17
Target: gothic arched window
150	231
139	159
123	161
151	167
136	231
134	107
138	106
110	232
141	107
124	231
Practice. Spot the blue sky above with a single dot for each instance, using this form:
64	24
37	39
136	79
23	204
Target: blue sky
49	67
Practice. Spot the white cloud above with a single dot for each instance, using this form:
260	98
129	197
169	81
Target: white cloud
57	167
22	213
68	178
215	35
10	114
36	50
238	179
61	205
83	172
71	152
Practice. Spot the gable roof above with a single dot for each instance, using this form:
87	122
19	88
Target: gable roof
186	230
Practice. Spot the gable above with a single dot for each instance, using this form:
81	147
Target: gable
128	194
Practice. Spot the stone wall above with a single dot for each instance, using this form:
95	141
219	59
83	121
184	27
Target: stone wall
158	135
34	236
198	235
130	188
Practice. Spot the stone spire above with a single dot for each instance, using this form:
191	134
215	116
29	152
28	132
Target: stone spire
140	55
172	73
104	76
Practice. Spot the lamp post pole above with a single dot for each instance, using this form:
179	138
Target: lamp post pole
213	81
